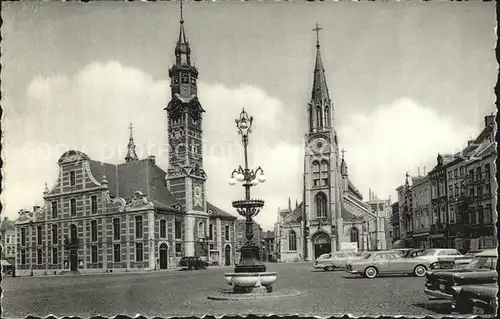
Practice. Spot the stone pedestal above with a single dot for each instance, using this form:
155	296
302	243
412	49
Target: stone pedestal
250	261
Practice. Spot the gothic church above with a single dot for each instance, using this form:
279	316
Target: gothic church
332	212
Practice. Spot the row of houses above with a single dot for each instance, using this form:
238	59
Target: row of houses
454	204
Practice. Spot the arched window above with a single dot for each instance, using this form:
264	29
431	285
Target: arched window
320	205
292	241
73	232
355	235
324	172
316	173
319	116
227	234
201	230
163	228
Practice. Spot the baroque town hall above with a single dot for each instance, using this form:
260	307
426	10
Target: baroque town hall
101	217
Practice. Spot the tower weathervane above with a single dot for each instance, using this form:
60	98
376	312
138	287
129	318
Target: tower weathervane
343	151
130	128
317	29
182	18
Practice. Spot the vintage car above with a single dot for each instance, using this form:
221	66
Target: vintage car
434	254
336	260
480	270
193	263
451	262
475	299
387	262
414	253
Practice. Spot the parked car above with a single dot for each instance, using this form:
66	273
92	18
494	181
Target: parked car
387	262
454	262
433	255
193	263
480	270
475	299
403	251
414	253
336	260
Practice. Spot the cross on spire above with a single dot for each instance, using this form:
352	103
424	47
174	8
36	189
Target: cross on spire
182	18
317	29
343	151
130	128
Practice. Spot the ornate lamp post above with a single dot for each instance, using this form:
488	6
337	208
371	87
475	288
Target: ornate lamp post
248	208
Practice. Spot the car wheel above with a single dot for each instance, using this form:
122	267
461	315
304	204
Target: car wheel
329	268
419	271
371	272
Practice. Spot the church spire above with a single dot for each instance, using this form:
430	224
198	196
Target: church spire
182	50
131	155
320	89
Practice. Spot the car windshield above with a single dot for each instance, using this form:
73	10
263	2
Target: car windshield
367	256
324	256
429	252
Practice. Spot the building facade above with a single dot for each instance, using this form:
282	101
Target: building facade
8	241
240	239
269	246
462	210
101	217
422	208
395	224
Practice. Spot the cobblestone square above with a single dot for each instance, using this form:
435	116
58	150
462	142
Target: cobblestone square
177	292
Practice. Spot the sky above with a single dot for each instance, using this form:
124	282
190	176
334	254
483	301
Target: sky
408	80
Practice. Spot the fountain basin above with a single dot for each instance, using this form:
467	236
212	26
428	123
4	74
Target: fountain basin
249	280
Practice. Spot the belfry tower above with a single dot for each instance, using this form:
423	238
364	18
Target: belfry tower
322	178
185	176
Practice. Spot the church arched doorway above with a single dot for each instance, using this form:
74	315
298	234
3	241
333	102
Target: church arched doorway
322	245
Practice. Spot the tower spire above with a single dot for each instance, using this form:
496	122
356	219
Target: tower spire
182	50
131	155
320	89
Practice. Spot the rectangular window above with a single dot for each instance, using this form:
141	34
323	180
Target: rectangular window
72	178
72	203
138	226
450	189
23	236
94	254
116	253
54	209
487	171
163	228
478	173
449	175
55	259
39	235
178	249
455	173
23	257
54	234
138	252
226	229
211	232
93	204
93	230
39	259
461	171
178	233
116	228
211	246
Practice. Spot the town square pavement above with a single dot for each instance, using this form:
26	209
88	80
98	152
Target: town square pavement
170	293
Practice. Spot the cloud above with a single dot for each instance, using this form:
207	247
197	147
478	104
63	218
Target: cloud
384	144
92	109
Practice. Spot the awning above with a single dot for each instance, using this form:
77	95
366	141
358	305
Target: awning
398	244
5	263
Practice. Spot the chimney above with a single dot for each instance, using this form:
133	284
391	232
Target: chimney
418	171
152	159
289	203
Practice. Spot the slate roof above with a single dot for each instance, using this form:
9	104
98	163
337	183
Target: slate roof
142	175
296	215
219	213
